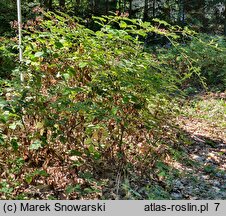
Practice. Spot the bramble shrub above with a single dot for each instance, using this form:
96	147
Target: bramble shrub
205	56
93	101
209	54
8	54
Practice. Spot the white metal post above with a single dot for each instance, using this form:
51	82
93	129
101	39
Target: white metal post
20	36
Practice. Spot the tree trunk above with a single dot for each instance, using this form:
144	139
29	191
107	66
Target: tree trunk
130	7
181	13
106	6
124	6
62	4
45	3
96	7
119	5
41	3
50	6
153	8
145	16
224	19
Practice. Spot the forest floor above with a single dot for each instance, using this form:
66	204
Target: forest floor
196	170
203	169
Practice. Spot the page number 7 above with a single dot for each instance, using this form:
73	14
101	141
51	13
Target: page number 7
217	205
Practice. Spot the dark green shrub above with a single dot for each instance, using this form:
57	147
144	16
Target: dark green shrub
205	55
8	57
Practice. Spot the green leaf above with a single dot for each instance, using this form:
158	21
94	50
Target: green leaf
2	141
161	22
69	189
14	144
83	64
162	174
39	54
91	149
40	125
114	110
97	155
13	125
58	44
37	144
29	179
75	153
146	24
123	24
88	190
41	173
2	102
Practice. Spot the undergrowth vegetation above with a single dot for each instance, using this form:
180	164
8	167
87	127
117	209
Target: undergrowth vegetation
95	114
